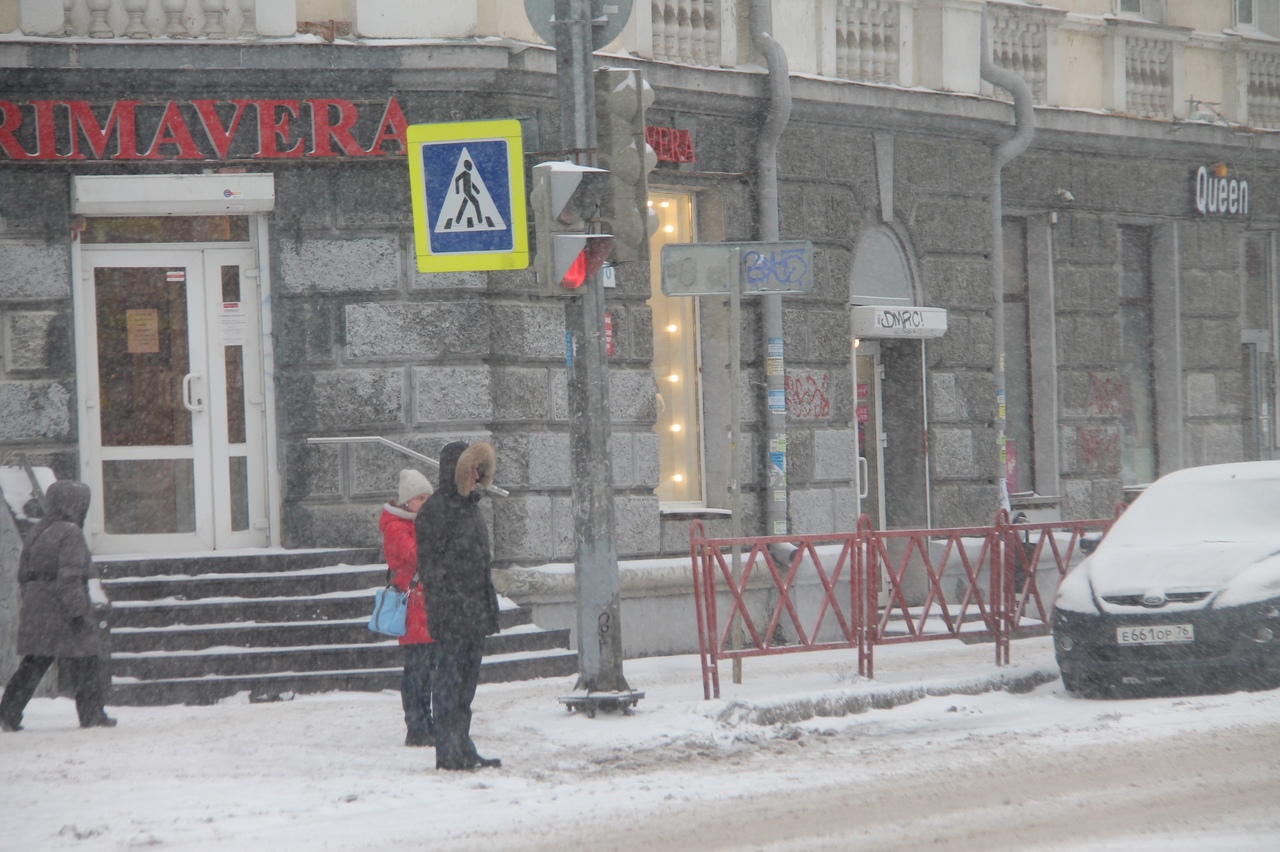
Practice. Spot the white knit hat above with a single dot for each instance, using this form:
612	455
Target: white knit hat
413	484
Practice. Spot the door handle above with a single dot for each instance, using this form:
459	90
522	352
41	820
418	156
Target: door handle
864	486
192	405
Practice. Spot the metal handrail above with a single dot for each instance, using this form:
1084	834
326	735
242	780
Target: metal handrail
21	458
378	439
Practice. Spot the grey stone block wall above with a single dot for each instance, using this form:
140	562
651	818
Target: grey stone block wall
37	359
365	343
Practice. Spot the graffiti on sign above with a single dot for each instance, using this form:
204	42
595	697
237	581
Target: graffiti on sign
771	270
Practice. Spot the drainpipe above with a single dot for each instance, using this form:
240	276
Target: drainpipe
1014	146
779	112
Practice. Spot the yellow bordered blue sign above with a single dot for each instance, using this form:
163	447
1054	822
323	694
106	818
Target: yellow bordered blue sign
467	184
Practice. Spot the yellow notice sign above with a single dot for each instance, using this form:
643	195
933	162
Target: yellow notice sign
143	326
467	184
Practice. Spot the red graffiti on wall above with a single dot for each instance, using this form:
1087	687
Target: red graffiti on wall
1098	446
807	396
1108	395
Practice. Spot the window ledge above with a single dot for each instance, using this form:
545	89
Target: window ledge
693	512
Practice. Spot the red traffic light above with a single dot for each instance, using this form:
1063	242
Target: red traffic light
579	256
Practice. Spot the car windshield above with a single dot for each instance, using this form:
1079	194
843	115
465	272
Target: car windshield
1187	511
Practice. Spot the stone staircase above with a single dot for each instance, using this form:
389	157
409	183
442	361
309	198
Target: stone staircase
193	630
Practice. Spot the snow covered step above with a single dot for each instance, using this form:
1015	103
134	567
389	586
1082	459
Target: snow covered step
264	584
198	629
378	652
233	608
210	688
248	560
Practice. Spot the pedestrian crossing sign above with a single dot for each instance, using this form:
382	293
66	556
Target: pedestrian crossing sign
467	185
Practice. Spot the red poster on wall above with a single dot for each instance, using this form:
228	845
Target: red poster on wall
1011	465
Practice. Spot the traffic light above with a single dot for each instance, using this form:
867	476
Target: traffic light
622	96
565	200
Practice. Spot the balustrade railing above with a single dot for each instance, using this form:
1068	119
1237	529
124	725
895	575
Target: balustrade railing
867	40
1019	39
687	31
1148	68
145	19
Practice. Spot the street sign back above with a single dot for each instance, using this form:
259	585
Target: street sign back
608	18
710	269
467	186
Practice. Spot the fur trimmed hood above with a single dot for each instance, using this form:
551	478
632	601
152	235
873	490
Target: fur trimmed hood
475	468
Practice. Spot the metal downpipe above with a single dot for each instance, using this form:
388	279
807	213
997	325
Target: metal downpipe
1014	146
776	118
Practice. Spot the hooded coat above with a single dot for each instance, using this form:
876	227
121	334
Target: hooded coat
56	618
453	546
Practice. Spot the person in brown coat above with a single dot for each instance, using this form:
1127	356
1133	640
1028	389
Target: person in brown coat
56	618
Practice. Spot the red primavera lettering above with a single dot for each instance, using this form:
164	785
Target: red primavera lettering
200	129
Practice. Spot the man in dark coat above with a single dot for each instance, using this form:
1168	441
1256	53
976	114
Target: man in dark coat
462	606
56	619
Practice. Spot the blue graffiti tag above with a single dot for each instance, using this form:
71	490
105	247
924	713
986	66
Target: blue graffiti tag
775	270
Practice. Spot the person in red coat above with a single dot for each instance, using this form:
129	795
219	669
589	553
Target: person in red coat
400	545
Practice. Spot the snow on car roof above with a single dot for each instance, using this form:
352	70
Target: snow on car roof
1228	502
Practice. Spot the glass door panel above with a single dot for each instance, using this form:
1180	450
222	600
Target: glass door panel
238	457
144	415
143	359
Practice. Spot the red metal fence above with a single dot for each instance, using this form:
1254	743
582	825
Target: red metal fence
793	593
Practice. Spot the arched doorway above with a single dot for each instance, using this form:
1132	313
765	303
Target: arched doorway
888	331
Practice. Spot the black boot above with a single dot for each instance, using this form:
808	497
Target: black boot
415	738
101	721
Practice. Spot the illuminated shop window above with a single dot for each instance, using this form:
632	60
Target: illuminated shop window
675	361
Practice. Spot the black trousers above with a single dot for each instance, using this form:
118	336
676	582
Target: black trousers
453	685
86	677
415	689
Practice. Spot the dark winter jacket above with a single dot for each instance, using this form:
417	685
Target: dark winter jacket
56	618
400	546
453	546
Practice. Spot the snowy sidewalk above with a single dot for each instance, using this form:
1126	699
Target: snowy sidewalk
330	772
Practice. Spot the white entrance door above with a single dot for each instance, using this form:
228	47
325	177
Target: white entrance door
172	403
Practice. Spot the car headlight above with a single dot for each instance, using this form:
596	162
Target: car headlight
1075	592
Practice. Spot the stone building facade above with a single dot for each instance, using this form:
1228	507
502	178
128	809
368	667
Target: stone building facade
1140	318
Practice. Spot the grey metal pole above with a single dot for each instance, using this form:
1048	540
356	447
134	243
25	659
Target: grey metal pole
735	420
595	557
778	84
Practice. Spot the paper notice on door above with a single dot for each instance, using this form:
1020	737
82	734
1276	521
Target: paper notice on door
233	322
143	325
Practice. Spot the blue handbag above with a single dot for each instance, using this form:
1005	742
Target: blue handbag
390	605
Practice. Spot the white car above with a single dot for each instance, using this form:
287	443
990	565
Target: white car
1184	590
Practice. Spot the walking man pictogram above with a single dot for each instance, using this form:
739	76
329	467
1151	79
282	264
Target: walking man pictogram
462	185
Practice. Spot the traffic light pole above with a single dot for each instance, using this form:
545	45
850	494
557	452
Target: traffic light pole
595	558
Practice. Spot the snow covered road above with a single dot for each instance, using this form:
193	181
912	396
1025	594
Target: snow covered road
994	770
